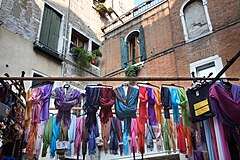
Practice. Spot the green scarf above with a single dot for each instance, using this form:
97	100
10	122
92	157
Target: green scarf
165	136
183	103
47	136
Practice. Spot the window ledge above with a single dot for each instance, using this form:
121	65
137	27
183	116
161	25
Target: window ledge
44	49
198	37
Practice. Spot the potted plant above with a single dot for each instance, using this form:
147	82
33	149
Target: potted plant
110	10
96	54
101	9
131	71
82	57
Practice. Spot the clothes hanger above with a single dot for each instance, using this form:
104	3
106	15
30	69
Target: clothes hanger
66	86
99	85
172	85
149	84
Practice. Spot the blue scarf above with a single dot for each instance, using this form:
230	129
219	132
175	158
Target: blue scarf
113	145
55	137
175	102
126	107
92	139
71	134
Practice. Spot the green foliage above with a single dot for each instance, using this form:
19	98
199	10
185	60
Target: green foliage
83	58
131	71
110	10
101	7
97	53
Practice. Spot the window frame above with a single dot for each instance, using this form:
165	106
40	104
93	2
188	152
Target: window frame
60	39
215	59
182	16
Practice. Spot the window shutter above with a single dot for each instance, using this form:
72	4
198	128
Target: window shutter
124	52
46	22
142	44
54	31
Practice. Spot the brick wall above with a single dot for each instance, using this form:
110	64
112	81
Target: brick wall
163	31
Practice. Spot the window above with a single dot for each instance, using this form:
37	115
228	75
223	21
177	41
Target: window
133	48
206	66
36	82
195	19
50	29
78	40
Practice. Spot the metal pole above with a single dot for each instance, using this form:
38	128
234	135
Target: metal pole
115	78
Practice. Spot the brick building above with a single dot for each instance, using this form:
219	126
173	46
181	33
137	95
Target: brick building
180	37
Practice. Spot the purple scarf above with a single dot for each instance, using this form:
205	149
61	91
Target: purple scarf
46	94
64	102
151	103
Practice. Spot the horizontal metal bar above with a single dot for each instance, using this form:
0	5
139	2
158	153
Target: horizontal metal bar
114	78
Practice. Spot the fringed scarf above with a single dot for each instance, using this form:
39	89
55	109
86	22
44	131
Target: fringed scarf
115	136
171	134
31	141
37	104
158	106
150	136
151	103
91	106
143	96
78	135
105	127
133	132
28	113
94	133
64	102
55	136
175	103
106	101
46	94
166	101
165	135
71	134
85	137
181	144
140	135
47	136
39	139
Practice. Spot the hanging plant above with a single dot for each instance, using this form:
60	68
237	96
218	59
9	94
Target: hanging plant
101	8
110	10
82	57
131	71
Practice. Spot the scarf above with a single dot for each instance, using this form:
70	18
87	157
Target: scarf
133	142
31	141
150	136
28	112
166	101
165	135
140	135
158	106
181	144
115	136
183	103
151	103
92	139
85	137
47	136
46	94
55	136
188	136
105	127
171	134
71	134
175	102
143	96
126	106
106	101
37	103
91	106
39	139
64	102
78	135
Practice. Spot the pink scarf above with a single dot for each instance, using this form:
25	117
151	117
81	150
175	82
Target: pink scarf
133	143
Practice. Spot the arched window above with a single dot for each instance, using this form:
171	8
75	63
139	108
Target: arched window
195	19
133	48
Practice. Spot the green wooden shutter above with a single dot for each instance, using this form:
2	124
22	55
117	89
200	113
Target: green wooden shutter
142	44
46	22
124	52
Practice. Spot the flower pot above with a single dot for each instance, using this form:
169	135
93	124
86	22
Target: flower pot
101	1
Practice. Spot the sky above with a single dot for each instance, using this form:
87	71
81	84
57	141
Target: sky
136	2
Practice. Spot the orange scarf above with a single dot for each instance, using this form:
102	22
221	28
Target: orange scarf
158	106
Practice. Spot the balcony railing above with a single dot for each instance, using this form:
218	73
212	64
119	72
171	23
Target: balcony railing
135	12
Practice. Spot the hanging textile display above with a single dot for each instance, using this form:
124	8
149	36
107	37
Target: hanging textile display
31	141
166	101
150	136
39	138
37	103
188	136
94	133
55	136
171	134
140	135
115	136
91	106
28	112
181	144
158	106
71	134
200	107
166	142
151	103
78	135
106	101
47	136
143	97
64	102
